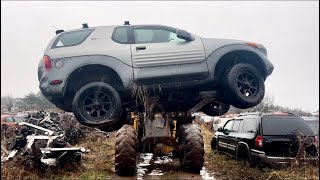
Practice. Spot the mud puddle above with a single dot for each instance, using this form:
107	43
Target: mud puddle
165	167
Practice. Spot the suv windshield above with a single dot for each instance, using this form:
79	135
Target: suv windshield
283	125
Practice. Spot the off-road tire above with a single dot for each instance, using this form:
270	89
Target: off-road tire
125	151
191	148
213	143
116	126
108	118
234	96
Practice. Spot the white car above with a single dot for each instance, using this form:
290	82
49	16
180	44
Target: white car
219	123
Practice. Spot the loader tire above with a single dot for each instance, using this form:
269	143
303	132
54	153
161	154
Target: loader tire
125	151
191	148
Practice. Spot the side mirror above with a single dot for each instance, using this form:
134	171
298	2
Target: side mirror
226	131
219	129
182	34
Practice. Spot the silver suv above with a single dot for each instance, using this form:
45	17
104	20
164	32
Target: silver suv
100	73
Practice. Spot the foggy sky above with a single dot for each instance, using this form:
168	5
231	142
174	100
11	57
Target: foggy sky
289	30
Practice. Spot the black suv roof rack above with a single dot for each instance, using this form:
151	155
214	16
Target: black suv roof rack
280	112
249	113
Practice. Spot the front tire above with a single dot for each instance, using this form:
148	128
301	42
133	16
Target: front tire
97	104
125	151
191	148
245	86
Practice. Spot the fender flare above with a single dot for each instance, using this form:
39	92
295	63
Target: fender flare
216	56
243	144
124	71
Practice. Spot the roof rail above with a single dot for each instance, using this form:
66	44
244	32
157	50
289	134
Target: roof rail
290	113
249	113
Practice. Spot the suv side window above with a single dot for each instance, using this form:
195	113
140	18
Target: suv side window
120	35
155	35
228	126
236	124
72	38
249	125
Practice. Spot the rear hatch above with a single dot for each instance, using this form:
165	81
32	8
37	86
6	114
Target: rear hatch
281	133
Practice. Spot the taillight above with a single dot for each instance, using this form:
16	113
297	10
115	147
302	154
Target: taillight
258	141
47	63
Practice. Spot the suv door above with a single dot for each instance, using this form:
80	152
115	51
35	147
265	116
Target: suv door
159	56
223	138
234	136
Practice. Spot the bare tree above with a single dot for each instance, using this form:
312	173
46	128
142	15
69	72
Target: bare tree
30	100
265	105
8	101
43	103
34	101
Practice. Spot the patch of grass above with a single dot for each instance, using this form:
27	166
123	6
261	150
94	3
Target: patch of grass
226	167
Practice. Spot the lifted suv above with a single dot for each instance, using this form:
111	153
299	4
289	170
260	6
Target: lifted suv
98	72
270	139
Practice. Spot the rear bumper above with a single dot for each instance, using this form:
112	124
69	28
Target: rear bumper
49	90
261	158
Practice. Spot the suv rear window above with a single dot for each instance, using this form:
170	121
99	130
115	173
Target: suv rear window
71	38
120	35
283	125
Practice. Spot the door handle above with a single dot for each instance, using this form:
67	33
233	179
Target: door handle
140	48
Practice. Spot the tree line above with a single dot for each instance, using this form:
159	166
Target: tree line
31	101
267	105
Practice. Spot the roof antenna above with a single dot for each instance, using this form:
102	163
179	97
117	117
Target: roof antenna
126	23
85	25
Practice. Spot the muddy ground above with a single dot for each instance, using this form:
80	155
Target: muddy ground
166	167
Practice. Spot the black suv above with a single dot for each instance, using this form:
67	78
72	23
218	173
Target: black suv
270	139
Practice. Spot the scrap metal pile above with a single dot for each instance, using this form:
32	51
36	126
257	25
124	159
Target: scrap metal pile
45	139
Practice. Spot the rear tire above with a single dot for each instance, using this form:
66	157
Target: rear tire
97	104
125	151
191	148
243	155
116	126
